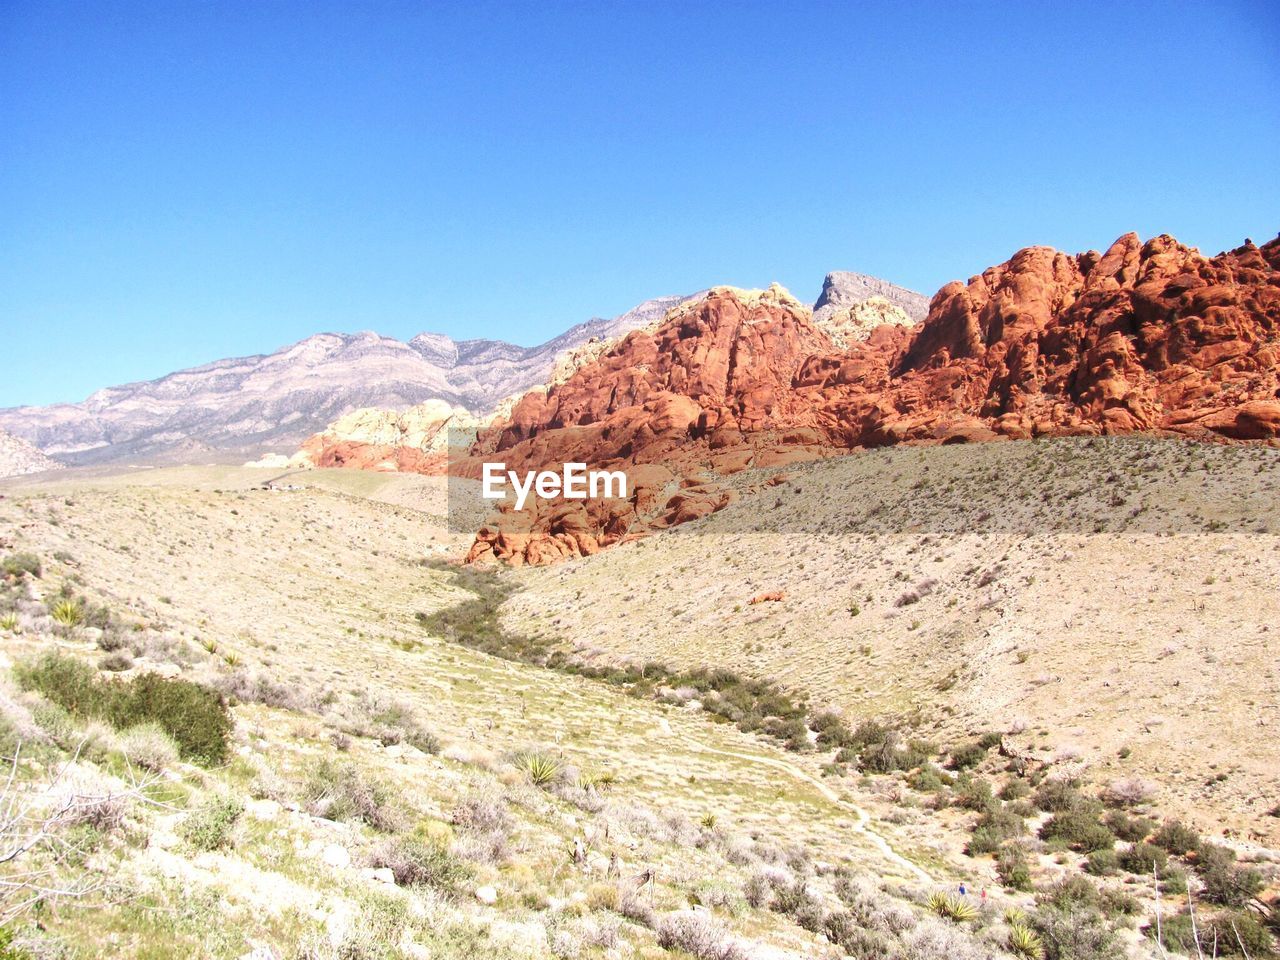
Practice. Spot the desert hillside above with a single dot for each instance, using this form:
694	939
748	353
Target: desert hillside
1092	596
398	776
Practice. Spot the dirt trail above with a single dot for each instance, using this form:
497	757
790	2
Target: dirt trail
863	824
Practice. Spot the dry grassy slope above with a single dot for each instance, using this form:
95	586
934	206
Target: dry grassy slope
1098	595
319	587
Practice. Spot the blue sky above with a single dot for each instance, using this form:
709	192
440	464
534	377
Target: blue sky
185	181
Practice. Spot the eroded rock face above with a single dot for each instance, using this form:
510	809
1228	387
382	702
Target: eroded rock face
414	440
1145	337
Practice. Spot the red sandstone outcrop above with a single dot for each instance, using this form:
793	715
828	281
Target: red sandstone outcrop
417	440
1145	337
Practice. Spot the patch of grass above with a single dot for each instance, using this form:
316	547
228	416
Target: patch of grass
210	826
16	565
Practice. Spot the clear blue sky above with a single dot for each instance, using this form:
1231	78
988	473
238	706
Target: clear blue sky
184	181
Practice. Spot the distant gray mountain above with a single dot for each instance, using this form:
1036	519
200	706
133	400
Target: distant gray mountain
228	408
276	400
841	290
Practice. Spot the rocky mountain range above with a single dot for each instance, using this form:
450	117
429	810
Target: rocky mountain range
248	403
1146	337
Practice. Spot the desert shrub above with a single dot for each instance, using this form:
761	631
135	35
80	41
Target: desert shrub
1015	789
1012	867
1077	934
1143	858
210	826
1079	830
1218	936
1101	863
1070	893
148	746
967	755
974	793
481	809
195	716
697	935
1177	838
416	862
633	905
758	891
1128	792
1059	795
1127	828
116	661
717	894
1224	882
928	779
993	828
344	792
831	729
16	565
858	942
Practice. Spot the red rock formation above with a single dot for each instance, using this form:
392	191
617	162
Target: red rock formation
1146	337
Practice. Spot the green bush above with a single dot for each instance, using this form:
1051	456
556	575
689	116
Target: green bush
1015	789
17	564
1056	796
1143	858
1222	934
1077	934
1101	863
1224	882
1127	828
1079	830
1177	838
1012	867
209	826
194	715
968	755
993	828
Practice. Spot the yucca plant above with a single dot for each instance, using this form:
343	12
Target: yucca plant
230	659
9	622
1025	942
951	907
210	645
708	821
67	612
542	770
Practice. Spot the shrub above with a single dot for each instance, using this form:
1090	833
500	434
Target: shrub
968	755
928	779
1056	796
195	716
1128	792
1127	828
210	826
1015	789
1101	863
116	661
343	792
149	747
1219	936
1079	830
1224	882
416	862
993	828
1079	934
1177	838
1143	858
1070	893
16	565
974	793
697	935
1012	867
